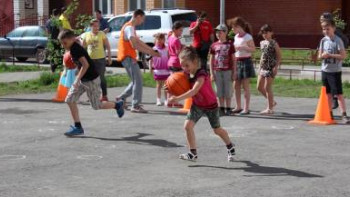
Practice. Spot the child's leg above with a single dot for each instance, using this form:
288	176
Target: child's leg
238	86
191	138
159	90
228	102
342	103
74	111
222	133
246	87
221	101
261	85
330	99
269	93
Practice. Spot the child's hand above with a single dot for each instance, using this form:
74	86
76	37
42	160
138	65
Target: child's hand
172	99
109	61
212	77
234	76
325	55
165	87
275	70
76	84
242	48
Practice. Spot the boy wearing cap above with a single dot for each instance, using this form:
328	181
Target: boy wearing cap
222	68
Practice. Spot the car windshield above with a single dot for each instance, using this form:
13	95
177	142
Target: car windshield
31	32
151	22
16	32
186	19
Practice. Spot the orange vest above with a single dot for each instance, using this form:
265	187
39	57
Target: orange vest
125	48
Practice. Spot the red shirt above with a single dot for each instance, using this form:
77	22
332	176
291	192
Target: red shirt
202	33
222	53
206	97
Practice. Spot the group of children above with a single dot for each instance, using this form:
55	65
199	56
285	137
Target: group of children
230	64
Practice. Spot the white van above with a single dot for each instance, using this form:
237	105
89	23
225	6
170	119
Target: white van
157	21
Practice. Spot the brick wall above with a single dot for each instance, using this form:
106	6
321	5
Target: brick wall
212	7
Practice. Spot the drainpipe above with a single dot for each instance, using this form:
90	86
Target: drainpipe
222	11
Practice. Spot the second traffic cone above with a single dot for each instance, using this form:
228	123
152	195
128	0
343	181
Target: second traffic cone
187	106
61	93
323	112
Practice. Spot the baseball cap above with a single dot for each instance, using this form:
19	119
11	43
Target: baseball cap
221	28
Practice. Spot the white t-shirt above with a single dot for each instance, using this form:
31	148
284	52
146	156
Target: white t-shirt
242	41
129	32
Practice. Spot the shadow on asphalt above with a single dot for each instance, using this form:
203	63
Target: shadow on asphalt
26	100
263	170
137	139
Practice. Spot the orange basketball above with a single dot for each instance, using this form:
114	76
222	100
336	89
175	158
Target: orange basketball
178	83
68	61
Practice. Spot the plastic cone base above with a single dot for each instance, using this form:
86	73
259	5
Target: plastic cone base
323	115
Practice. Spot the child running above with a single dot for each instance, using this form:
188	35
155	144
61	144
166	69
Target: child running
222	68
269	63
332	53
159	67
244	45
204	103
87	80
174	47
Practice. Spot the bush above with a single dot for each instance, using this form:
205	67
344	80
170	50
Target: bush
48	78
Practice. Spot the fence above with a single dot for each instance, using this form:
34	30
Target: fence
6	26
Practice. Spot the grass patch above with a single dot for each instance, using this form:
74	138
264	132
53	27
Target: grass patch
18	68
304	88
282	87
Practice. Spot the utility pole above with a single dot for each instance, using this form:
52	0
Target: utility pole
222	12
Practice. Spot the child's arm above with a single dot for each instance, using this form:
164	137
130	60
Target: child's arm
197	86
108	47
150	63
340	56
82	71
249	48
212	72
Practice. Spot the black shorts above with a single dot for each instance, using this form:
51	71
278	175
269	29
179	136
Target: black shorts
332	82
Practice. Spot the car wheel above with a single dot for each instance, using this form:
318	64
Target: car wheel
41	55
22	59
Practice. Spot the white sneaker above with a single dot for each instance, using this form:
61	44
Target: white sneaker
230	154
166	103
188	157
159	103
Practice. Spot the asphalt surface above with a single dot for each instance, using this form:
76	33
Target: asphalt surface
137	155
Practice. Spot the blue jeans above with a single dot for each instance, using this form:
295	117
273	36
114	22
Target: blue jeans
135	86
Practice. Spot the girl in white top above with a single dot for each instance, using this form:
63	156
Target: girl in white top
244	46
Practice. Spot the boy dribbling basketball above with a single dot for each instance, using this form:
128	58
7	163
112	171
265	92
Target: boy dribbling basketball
87	80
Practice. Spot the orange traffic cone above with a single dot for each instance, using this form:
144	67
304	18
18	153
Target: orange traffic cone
61	93
187	106
323	115
62	90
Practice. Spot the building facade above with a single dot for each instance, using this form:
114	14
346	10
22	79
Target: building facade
295	22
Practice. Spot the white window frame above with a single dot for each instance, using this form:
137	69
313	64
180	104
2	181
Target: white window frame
138	4
163	3
109	7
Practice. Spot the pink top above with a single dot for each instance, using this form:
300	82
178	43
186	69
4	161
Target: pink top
206	97
160	64
174	47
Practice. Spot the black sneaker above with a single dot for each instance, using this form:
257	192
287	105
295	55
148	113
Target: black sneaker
346	120
188	157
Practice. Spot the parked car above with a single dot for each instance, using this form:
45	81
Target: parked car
157	21
25	42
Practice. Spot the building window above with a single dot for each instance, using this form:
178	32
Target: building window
137	4
169	3
106	6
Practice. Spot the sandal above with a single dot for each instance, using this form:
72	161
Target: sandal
236	111
188	157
